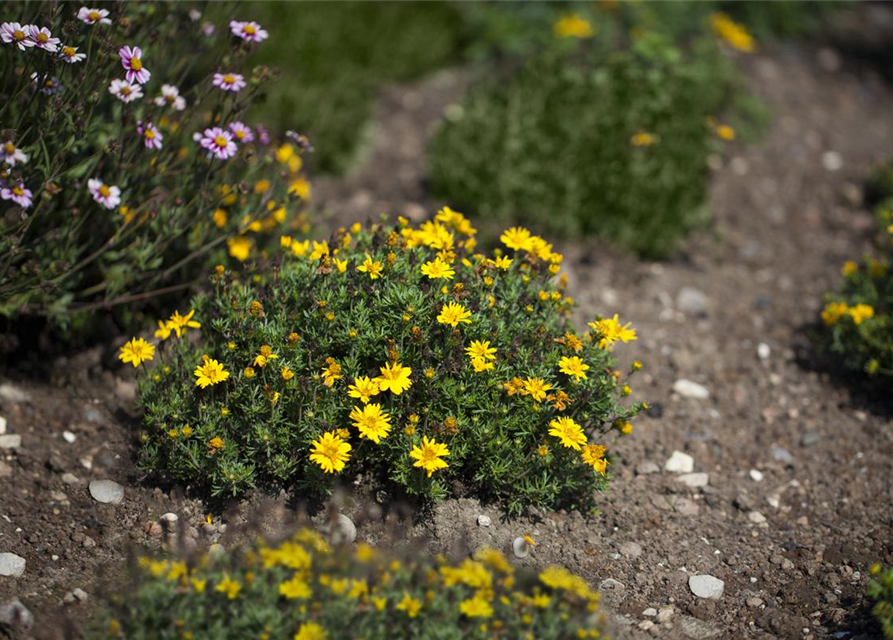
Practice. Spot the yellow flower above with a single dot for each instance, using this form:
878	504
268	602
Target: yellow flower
536	388
363	388
573	26
331	372
296	588
481	349
479	365
136	351
210	372
311	631
198	584
379	603
574	367
180	324
239	248
503	263
428	456
330	452
568	432
476	608
220	218
735	34
216	444
229	586
266	354
341	265
453	313
438	269
372	267
611	331
394	378
286	373
320	249
300	249
410	605
372	422
849	267
517	238
725	132
643	139
248	372
594	456
164	330
833	311
861	312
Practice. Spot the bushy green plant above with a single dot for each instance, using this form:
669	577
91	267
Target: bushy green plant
582	140
881	589
398	352
303	589
340	54
126	168
857	319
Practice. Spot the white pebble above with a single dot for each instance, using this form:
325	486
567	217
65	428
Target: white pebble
763	351
694	480
756	475
832	161
2	425
69	437
680	463
691	389
706	586
106	491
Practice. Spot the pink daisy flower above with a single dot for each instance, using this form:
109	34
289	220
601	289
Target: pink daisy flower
14	33
71	55
125	91
250	31
108	197
94	16
18	194
263	135
46	84
131	60
11	154
42	38
219	143
229	81
150	133
241	131
208	29
170	96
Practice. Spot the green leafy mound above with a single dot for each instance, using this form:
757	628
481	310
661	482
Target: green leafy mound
881	589
583	140
399	353
303	589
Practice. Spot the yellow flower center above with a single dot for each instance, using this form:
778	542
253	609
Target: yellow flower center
125	90
49	83
93	15
150	134
69	51
17	190
229	79
18	35
136	64
220	141
104	191
249	29
42	37
10	148
240	134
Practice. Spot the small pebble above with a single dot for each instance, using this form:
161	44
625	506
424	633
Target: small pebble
782	455
763	351
810	438
650	612
631	549
69	437
706	586
756	517
520	547
106	491
484	521
832	161
691	389
647	468
694	480
10	441
755	475
754	602
2	425
11	565
680	463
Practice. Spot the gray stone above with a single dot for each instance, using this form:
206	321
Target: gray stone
754	602
11	565
10	441
782	455
690	389
694	480
78	595
631	549
2	425
691	301
645	625
14	616
12	393
484	520
696	629
687	507
763	351
810	438
680	463
106	491
706	586
650	612
341	530
5	470
611	585
756	517
70	478
665	614
647	468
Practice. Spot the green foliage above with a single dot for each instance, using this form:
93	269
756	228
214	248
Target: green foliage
857	319
335	56
70	250
555	144
881	589
303	589
294	337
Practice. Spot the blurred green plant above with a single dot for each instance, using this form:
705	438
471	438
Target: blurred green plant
584	138
118	183
335	56
304	589
881	590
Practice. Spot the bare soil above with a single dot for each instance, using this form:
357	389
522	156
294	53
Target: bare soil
792	542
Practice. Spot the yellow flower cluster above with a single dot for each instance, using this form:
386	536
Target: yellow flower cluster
733	33
834	311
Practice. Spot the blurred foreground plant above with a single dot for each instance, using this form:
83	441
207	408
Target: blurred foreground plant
126	165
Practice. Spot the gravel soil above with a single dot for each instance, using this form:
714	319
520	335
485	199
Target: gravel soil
795	501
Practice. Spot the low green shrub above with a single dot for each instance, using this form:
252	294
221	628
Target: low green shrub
303	589
335	56
396	352
881	590
126	166
585	140
858	326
